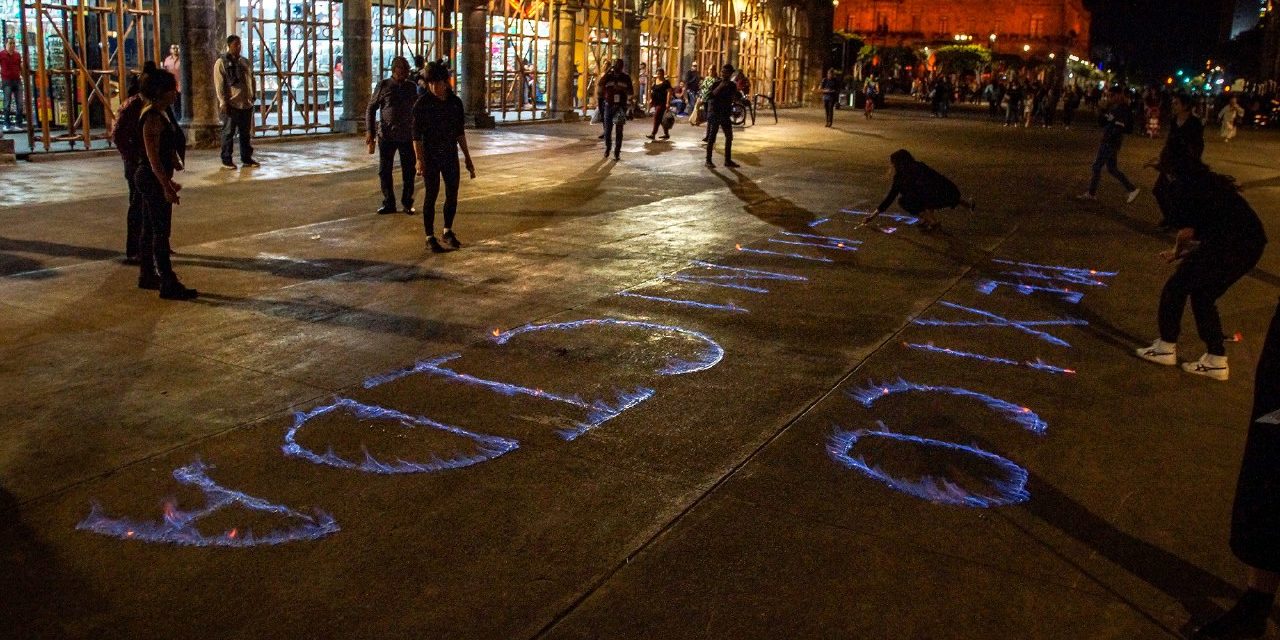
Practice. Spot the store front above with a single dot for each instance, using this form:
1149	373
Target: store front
295	49
413	28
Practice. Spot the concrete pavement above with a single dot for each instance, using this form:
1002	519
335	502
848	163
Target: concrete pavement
676	470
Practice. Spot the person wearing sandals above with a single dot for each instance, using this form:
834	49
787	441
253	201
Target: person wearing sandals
162	142
920	191
438	121
1219	240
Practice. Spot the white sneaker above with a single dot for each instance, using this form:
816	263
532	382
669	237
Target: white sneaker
1133	195
1086	196
1160	352
1209	366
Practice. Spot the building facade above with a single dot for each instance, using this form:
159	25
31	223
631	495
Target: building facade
1026	28
315	61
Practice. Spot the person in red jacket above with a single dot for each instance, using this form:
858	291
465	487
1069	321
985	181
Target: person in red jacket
11	83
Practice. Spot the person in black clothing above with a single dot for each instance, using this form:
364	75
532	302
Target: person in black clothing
830	94
1116	123
438	133
922	190
1255	515
164	145
617	89
1219	240
719	107
660	100
417	75
1186	135
1070	105
692	81
389	117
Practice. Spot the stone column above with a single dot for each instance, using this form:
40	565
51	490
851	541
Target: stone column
566	58
357	65
820	15
203	39
631	42
471	83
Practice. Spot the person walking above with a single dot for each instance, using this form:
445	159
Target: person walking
173	64
1231	113
660	100
600	99
389	119
719	108
233	84
871	93
1186	136
11	65
1116	123
163	144
830	89
617	89
1219	240
920	190
1255	514
438	128
1070	105
1013	108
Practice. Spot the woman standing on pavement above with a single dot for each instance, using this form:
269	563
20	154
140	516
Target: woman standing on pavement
1219	240
660	100
438	121
163	143
1186	136
1255	517
830	89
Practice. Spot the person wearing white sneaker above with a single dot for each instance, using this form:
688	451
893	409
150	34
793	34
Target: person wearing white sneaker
1117	123
1219	240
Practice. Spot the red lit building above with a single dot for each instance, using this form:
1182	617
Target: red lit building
1027	28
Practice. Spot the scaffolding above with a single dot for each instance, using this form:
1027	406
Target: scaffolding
793	44
518	64
661	37
413	28
713	22
601	31
295	49
84	55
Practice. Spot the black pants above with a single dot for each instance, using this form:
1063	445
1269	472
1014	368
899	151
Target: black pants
1108	155
717	122
133	219
1255	516
1204	276
435	169
1161	193
659	110
829	104
157	220
387	152
614	118
1068	116
237	121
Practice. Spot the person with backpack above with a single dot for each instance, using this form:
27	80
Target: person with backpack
389	119
920	190
163	145
438	133
1117	122
1219	240
233	84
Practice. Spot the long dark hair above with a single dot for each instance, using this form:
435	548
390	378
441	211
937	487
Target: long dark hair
156	83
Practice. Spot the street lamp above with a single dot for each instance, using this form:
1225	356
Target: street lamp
1026	48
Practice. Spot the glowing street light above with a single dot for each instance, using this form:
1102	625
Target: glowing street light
1026	48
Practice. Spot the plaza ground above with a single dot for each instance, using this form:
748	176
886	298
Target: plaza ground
717	504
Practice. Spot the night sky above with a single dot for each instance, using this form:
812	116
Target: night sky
1153	38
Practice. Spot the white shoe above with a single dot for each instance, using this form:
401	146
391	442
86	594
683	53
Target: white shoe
1086	196
1160	352
1209	366
1133	195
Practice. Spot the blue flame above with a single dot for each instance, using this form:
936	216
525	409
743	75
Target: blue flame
825	239
490	447
815	245
711	356
1070	278
904	219
780	254
989	286
708	282
1025	326
433	367
1037	364
1019	414
179	527
602	412
819	222
1072	270
731	307
1009	491
746	274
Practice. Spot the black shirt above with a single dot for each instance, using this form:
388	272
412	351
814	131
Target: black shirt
721	97
1116	122
617	88
1187	138
1212	206
830	86
659	93
395	103
923	185
438	124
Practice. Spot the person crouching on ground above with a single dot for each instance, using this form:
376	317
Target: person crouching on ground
162	142
1219	240
438	127
920	191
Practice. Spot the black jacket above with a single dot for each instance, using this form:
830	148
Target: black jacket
394	103
1212	205
921	188
438	124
